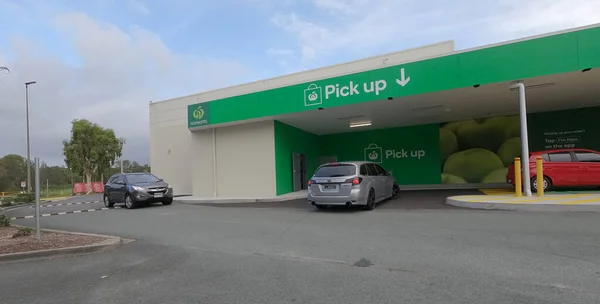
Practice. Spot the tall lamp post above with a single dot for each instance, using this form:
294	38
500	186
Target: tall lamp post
27	84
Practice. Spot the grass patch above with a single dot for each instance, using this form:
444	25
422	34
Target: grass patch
56	192
45	193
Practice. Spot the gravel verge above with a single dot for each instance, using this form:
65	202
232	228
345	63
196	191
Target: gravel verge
49	240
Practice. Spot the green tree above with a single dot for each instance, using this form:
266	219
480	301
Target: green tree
91	149
55	175
129	166
133	166
2	171
15	168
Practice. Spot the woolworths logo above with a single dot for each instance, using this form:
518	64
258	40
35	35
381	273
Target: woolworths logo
314	94
377	154
198	115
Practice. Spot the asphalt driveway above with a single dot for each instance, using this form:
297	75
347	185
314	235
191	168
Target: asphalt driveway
237	254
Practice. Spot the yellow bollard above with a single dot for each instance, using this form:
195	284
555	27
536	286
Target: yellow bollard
518	186
539	171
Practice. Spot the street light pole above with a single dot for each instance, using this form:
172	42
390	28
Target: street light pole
27	84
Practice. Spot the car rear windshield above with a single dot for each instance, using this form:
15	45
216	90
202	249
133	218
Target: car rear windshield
336	170
141	178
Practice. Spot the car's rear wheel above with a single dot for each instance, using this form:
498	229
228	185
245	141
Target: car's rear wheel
547	184
107	202
370	200
395	191
129	203
167	201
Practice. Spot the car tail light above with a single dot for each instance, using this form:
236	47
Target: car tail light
355	181
312	181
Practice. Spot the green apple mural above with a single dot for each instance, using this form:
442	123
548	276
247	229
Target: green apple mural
479	151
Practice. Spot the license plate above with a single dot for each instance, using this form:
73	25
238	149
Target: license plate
329	187
156	195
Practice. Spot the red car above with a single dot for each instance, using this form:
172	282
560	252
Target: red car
563	168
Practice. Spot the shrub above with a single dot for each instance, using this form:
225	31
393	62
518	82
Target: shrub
4	221
25	198
5	202
26	230
23	231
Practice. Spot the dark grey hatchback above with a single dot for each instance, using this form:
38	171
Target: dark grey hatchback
135	189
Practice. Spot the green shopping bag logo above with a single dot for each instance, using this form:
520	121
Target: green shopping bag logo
313	95
374	153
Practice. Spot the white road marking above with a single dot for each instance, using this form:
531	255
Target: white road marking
66	212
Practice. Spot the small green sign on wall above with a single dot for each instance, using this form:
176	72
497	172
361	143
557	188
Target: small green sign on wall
568	129
198	115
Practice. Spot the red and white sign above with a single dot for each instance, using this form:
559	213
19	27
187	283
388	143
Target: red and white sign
82	188
97	187
79	188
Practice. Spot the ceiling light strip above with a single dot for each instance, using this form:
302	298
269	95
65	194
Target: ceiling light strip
360	124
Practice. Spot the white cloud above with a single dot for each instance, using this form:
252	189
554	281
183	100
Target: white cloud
281	56
139	7
110	79
270	4
547	15
338	26
353	25
347	7
279	52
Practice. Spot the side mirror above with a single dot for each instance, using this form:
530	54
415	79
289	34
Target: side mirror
389	173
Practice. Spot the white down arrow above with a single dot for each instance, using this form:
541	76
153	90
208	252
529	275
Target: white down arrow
403	80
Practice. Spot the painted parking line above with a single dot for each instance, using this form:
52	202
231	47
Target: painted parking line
63	213
572	199
67	204
591	201
496	191
509	198
561	192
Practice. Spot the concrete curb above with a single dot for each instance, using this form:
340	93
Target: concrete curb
56	199
108	243
236	201
521	207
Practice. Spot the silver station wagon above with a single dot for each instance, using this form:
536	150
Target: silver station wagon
351	183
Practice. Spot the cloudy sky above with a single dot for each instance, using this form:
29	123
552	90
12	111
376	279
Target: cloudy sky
104	60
